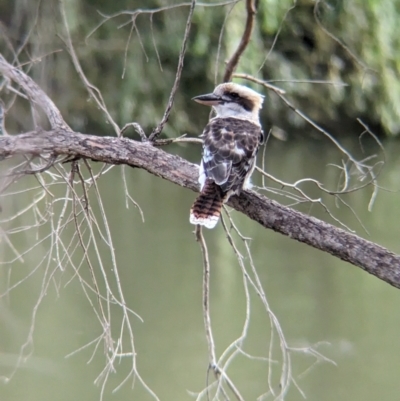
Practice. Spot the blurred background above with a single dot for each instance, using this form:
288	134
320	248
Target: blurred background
350	317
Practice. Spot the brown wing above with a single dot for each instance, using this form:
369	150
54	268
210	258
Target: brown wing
229	151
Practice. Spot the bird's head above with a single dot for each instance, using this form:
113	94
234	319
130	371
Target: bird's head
233	100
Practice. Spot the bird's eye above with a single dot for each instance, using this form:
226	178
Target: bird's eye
234	95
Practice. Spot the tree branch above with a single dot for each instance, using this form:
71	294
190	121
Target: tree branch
251	9
371	257
157	131
35	94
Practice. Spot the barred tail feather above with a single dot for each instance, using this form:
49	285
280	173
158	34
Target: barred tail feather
206	208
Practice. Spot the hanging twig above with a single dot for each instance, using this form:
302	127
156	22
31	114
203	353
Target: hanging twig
206	298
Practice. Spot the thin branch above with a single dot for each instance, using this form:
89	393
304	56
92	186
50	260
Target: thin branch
157	131
292	7
260	82
137	128
93	91
35	94
337	40
49	164
206	298
221	35
3	130
251	9
179	139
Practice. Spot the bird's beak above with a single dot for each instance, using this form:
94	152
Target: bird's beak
209	100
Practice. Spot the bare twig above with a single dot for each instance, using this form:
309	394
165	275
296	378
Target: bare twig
253	279
137	128
295	185
93	91
293	6
35	94
251	9
368	131
212	360
260	82
337	40
157	131
3	130
206	298
179	139
39	170
221	35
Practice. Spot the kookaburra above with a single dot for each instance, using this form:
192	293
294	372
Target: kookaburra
231	141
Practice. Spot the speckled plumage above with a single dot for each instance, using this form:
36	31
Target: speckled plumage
229	151
231	142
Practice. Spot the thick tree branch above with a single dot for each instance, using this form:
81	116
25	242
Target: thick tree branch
371	257
62	141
